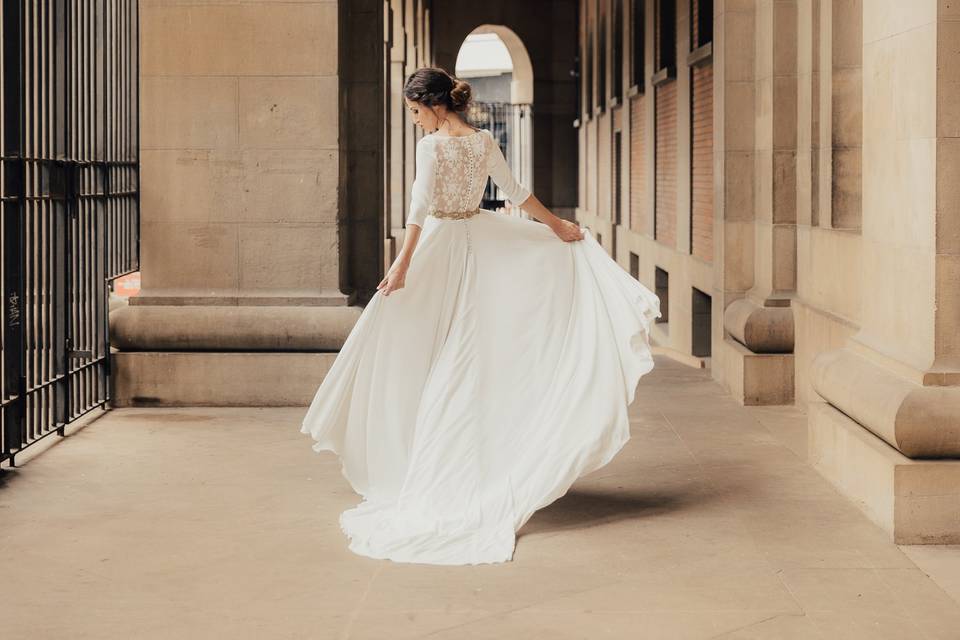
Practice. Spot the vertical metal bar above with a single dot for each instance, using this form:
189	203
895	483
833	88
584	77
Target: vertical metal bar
135	67
47	203
13	387
29	219
61	213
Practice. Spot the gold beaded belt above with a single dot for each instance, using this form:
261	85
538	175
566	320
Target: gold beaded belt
455	215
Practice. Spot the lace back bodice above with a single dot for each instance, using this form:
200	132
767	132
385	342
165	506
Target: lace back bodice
452	174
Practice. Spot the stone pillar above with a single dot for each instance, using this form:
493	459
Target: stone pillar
252	223
841	45
396	138
758	323
887	430
808	112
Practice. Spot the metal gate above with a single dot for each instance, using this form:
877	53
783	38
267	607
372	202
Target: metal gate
511	126
69	191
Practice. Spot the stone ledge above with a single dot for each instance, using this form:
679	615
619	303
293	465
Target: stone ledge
915	501
920	422
225	328
152	379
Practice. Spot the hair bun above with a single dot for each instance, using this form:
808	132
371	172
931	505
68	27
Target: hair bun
460	95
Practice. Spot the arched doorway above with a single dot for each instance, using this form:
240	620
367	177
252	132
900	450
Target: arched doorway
496	63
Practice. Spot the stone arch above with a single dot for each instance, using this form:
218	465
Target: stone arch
521	87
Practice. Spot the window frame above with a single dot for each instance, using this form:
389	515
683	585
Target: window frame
638	44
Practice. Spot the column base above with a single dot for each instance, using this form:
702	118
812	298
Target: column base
915	501
206	379
756	378
223	356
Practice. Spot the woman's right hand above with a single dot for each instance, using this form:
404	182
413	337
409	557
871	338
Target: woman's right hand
567	231
394	279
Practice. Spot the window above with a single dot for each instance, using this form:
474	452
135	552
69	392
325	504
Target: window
701	23
617	177
666	23
702	325
661	281
617	61
638	41
602	55
578	76
588	80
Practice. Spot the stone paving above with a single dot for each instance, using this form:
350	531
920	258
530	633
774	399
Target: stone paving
222	523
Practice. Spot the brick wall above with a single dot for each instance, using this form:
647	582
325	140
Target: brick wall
638	168
701	163
665	212
694	24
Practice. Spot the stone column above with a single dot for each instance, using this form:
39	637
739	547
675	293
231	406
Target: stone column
396	139
758	324
887	431
841	45
808	112
250	132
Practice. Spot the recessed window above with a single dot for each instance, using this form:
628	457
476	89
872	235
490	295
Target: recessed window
662	289
617	177
638	41
702	325
602	55
701	23
588	66
666	34
617	60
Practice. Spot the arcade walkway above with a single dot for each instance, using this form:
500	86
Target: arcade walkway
222	523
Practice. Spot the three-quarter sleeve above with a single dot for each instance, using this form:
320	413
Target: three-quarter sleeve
501	174
421	193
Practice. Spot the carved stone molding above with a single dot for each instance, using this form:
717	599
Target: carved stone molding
919	421
760	329
224	328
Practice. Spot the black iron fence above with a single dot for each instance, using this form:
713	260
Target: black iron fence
511	126
69	188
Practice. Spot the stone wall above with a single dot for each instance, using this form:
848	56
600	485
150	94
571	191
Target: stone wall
240	152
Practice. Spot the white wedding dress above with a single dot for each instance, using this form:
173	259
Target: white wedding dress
478	393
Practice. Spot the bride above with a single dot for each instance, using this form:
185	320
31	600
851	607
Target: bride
491	369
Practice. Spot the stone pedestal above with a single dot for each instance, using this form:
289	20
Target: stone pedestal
261	187
757	378
915	501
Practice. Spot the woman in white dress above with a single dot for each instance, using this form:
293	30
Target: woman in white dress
491	369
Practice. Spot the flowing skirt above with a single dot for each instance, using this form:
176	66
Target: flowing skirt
477	394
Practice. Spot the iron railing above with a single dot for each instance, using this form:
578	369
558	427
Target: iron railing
511	125
69	187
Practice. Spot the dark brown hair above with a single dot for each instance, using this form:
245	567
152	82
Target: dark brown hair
432	86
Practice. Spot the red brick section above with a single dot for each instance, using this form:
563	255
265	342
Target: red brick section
701	163
638	168
665	212
694	24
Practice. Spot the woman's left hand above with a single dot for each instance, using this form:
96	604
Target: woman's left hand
394	279
567	231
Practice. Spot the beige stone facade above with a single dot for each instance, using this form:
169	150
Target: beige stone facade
832	280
